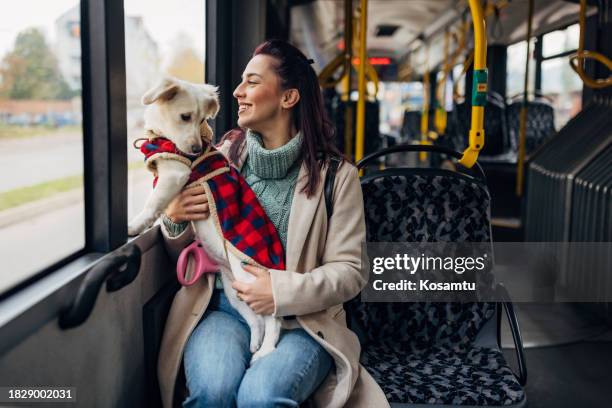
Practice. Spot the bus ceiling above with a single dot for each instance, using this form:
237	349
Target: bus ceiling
397	28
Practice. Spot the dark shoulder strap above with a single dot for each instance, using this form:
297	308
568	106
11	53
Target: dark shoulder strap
330	177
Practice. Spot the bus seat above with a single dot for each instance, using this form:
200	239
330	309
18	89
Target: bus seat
496	128
540	124
498	145
411	126
426	352
458	127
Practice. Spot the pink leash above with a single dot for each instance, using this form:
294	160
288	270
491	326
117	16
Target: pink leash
201	263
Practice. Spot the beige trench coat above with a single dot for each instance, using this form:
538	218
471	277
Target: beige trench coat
323	271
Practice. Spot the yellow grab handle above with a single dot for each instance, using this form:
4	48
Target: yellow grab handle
479	88
577	59
325	77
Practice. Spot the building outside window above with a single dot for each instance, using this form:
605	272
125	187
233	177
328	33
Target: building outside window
41	189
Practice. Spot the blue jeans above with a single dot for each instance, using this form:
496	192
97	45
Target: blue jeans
217	360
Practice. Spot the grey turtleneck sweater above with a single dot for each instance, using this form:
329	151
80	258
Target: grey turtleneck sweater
272	176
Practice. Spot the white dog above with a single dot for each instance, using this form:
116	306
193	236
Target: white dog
177	112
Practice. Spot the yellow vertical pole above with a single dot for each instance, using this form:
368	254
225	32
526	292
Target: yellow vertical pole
425	112
348	69
520	171
362	81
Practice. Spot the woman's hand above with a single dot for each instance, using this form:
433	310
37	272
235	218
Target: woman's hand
258	294
190	205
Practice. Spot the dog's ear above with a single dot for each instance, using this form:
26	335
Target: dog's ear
210	100
165	90
213	108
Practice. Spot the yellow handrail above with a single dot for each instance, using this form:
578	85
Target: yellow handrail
440	111
348	69
479	88
577	60
359	148
523	117
352	40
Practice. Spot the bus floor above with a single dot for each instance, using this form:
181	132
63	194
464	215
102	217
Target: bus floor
568	350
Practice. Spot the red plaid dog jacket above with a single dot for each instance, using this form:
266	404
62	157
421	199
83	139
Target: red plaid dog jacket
242	219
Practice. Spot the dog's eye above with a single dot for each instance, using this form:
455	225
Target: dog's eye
186	117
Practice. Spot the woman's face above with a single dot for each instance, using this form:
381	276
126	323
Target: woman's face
259	94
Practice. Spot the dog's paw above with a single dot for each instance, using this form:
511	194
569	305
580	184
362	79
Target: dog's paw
135	229
257	335
262	352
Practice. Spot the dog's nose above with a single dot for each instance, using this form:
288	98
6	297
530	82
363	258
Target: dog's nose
196	149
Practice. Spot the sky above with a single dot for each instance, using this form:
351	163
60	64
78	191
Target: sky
163	19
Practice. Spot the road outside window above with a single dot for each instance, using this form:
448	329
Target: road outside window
41	189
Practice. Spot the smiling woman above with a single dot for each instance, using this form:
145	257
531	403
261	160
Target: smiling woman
283	149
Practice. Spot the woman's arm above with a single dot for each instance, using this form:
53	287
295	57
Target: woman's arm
340	277
190	205
175	243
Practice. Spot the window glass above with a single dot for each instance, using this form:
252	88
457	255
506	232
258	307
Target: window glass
560	41
448	90
515	73
560	84
563	87
396	98
41	189
391	112
460	84
161	38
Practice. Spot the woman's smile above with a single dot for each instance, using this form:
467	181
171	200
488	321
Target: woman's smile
242	107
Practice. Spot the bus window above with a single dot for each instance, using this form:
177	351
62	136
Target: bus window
559	82
448	90
560	41
460	85
160	39
42	212
515	73
395	98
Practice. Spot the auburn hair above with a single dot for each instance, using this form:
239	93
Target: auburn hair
309	116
